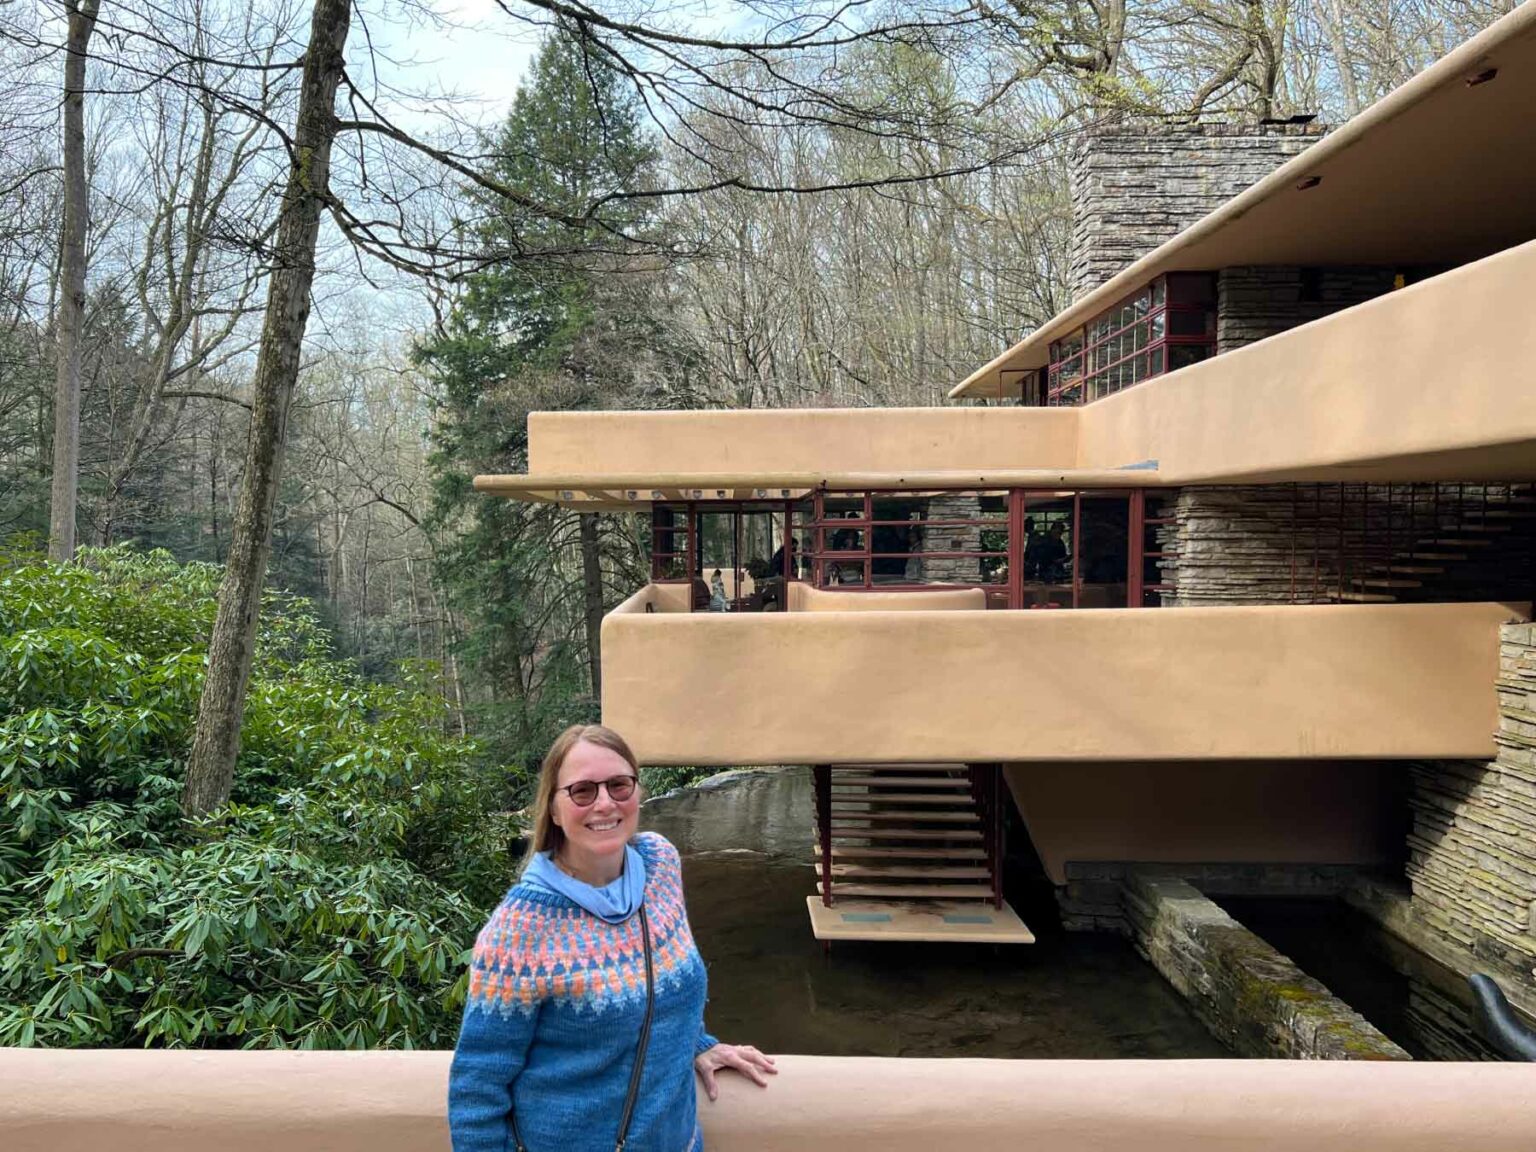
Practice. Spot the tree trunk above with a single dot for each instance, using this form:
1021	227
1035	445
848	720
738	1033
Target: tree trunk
216	743
592	579
71	323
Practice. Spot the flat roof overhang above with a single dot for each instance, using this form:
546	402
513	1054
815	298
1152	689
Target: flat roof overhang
1440	171
597	493
1433	382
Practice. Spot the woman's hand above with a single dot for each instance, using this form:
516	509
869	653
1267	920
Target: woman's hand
742	1057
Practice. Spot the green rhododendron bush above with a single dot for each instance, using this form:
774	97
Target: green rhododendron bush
329	906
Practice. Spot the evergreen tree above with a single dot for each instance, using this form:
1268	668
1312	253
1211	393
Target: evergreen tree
575	322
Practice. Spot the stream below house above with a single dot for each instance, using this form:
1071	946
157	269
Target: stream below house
747	846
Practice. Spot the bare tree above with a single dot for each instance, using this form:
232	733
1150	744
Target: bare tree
71	313
190	304
216	744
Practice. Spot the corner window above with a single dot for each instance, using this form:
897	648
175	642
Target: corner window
1163	327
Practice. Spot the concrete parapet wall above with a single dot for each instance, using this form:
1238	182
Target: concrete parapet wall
804	598
1252	998
1121	685
134	1101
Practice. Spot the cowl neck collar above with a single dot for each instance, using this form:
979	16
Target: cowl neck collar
613	903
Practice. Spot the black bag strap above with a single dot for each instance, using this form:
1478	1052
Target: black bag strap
645	1040
645	1034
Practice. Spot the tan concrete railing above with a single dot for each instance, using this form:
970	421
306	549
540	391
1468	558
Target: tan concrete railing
1436	381
804	598
674	598
1248	683
134	1101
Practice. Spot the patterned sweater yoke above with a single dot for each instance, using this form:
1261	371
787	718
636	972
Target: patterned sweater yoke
553	1016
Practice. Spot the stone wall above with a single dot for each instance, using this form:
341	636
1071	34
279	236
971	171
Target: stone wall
1282	543
953	538
1133	188
1472	849
1253	303
1248	995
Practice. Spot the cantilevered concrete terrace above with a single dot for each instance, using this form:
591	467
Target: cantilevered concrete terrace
1436	381
841	682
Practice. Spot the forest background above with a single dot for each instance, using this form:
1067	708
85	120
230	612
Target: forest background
767	205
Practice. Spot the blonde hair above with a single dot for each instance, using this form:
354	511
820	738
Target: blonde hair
547	835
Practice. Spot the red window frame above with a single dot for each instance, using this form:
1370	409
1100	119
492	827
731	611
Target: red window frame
1164	326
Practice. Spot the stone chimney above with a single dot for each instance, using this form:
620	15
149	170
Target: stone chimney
1134	187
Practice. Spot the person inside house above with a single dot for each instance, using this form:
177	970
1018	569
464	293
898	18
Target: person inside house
1051	557
583	1026
1032	540
717	598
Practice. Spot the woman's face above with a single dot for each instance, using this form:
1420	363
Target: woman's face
606	825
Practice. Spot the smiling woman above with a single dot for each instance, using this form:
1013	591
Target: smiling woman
595	928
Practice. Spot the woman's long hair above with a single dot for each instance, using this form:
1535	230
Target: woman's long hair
547	835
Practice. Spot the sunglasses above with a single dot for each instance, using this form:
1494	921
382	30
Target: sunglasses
583	793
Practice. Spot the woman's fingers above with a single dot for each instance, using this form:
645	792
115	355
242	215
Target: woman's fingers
706	1070
762	1060
747	1067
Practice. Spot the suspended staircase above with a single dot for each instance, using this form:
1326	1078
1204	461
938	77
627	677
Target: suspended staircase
911	852
1457	542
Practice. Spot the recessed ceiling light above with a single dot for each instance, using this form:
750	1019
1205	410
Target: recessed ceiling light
1482	77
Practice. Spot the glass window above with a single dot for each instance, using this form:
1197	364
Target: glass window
1128	343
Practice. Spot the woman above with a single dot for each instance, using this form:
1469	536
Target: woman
558	987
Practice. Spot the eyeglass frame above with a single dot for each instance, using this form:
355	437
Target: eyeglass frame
634	782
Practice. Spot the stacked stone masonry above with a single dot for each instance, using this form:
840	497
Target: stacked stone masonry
1253	303
1247	994
1472	850
950	538
1132	188
1319	543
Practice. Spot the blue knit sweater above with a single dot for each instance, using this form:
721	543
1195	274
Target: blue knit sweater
556	999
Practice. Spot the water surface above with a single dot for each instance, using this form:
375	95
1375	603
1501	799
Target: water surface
747	848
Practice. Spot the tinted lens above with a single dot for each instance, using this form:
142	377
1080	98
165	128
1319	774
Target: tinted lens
583	792
621	787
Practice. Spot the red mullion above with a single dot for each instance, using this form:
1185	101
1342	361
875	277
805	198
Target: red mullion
1016	544
1077	546
869	539
1136	551
818	515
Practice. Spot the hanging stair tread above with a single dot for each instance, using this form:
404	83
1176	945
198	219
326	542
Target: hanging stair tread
886	799
1360	597
910	871
1384	582
841	815
900	782
875	852
915	891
